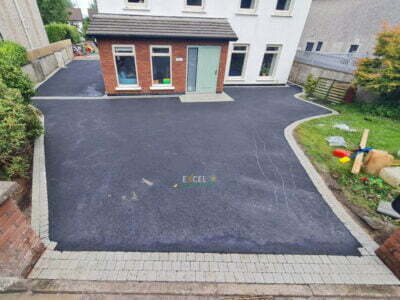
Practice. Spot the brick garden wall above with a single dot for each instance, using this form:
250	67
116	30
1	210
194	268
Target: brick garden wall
20	248
142	48
389	252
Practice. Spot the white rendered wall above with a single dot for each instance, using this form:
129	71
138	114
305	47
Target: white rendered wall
257	30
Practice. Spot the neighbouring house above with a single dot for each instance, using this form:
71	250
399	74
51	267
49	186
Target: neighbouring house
20	22
337	34
196	46
75	17
343	26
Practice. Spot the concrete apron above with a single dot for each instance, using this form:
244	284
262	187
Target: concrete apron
208	269
53	289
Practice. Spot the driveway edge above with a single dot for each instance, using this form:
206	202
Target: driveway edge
40	211
369	245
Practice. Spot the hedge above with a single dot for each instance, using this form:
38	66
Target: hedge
13	53
58	32
13	77
19	126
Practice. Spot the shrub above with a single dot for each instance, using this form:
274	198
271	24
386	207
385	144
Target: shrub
381	73
19	126
389	110
13	77
310	85
58	32
13	53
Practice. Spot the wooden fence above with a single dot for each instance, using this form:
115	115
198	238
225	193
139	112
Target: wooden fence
331	90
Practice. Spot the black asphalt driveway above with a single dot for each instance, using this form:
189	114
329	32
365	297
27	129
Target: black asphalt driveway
115	177
81	78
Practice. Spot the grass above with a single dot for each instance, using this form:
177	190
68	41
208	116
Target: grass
384	135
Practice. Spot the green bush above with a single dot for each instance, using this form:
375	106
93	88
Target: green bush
58	32
310	85
13	53
19	126
13	77
387	109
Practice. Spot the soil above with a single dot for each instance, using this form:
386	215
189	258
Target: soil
378	229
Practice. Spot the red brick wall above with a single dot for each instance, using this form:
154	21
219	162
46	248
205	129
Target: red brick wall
389	252
142	47
20	248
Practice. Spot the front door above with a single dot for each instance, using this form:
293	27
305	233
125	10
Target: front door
203	66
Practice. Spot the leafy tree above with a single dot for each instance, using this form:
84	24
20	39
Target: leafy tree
54	11
86	23
93	4
381	73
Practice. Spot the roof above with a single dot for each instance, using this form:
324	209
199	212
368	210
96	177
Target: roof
113	25
75	14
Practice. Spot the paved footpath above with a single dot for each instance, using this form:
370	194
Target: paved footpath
64	289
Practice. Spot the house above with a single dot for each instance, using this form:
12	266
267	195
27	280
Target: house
196	46
20	22
75	17
350	26
91	12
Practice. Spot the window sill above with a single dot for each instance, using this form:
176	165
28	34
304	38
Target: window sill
231	79
195	11
266	79
143	8
282	14
246	13
161	88
128	88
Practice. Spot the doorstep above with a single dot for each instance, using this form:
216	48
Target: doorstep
199	98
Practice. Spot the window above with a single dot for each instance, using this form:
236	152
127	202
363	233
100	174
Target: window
319	46
161	65
194	3
238	61
125	65
353	48
309	46
284	5
269	61
136	3
248	4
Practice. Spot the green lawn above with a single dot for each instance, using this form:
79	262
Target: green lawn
384	135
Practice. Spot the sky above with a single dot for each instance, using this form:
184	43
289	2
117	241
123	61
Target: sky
83	4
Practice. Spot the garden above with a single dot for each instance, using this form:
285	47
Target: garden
362	192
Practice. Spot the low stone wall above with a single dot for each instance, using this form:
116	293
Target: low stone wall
20	247
300	71
389	252
45	60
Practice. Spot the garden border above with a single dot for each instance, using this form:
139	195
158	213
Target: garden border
210	267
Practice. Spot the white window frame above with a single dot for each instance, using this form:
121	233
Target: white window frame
125	86
284	13
161	86
141	6
194	8
246	52
275	67
248	11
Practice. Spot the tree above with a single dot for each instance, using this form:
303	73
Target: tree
381	73
54	11
93	5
